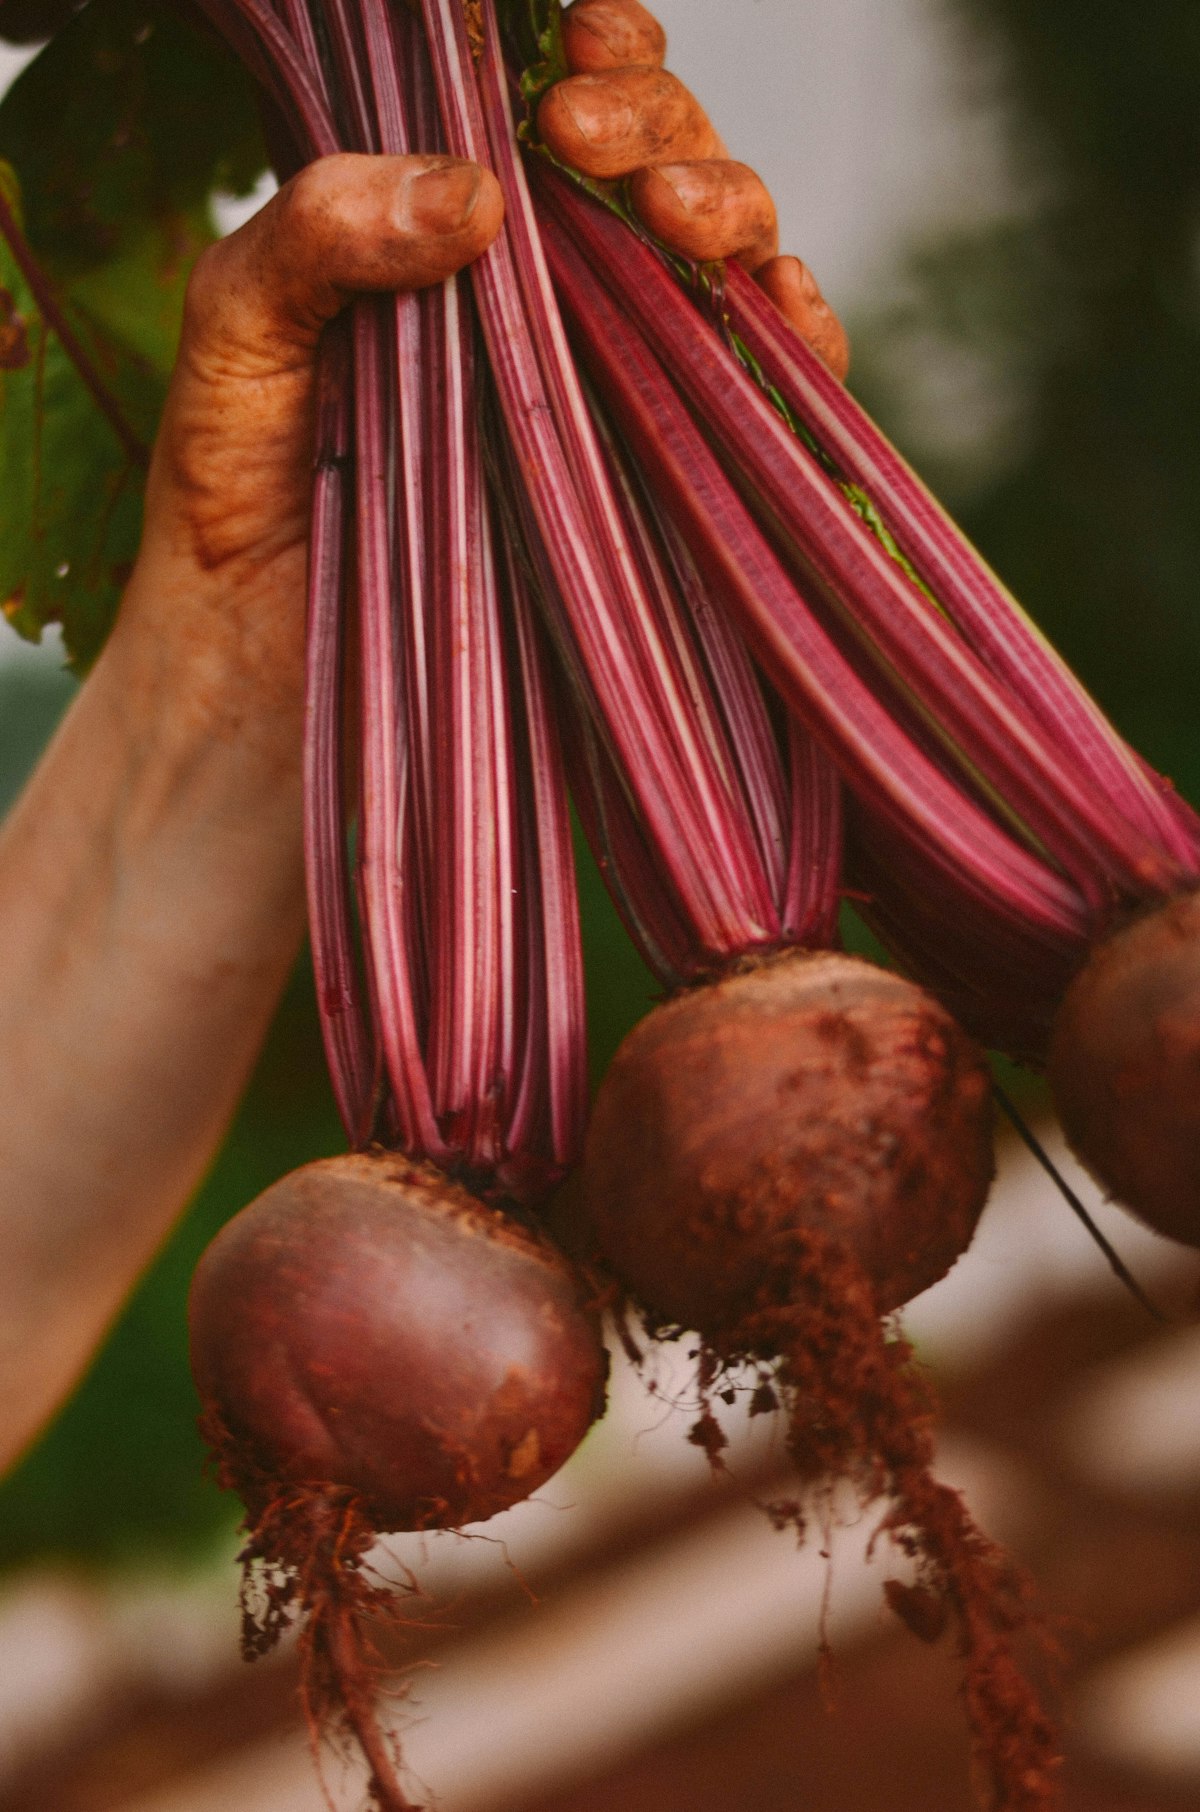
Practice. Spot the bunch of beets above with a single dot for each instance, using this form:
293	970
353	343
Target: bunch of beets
594	516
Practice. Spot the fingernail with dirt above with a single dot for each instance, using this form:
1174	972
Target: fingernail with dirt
443	199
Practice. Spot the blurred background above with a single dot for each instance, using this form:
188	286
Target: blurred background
1003	200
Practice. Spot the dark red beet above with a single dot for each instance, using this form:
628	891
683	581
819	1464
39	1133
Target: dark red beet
1125	1067
376	1350
369	1323
775	1161
810	1091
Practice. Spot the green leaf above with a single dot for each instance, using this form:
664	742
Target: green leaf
70	496
148	116
130	118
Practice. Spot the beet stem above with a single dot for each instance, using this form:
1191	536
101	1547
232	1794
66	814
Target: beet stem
962	845
344	1023
272	54
984	729
983	609
605	625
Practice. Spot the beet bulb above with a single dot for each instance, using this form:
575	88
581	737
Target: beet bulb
376	1350
1125	1067
806	1092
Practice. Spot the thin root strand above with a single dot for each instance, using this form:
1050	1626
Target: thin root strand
858	1409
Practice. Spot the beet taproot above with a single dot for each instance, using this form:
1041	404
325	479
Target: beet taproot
1124	1067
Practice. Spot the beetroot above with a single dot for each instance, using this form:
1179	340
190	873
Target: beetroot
376	1350
1125	1067
367	1321
812	1090
775	1161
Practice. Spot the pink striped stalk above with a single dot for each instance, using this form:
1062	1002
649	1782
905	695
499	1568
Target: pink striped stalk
460	1032
603	622
906	640
713	668
964	849
979	605
344	1022
792	808
384	779
549	1098
504	967
472	860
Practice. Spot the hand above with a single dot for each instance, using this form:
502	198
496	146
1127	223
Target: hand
218	589
622	115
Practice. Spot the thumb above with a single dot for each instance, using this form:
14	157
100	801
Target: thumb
344	225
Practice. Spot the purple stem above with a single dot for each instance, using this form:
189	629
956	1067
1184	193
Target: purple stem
272	54
339	997
472	855
605	627
713	670
966	852
985	613
813	896
553	1074
901	632
384	776
385	769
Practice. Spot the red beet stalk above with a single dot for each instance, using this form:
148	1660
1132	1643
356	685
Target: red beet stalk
602	621
977	603
841	564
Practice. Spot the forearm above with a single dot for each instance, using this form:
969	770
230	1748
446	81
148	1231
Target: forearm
151	893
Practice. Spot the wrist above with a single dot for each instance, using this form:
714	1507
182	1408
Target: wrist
204	703
215	657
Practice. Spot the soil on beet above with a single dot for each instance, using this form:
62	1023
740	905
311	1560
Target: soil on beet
778	1161
304	1562
806	1091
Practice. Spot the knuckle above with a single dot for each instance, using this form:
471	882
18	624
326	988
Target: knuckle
301	203
207	286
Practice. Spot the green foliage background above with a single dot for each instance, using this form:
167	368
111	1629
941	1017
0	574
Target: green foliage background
1078	317
113	141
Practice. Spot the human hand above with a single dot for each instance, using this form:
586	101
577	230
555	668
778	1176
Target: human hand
218	589
621	114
